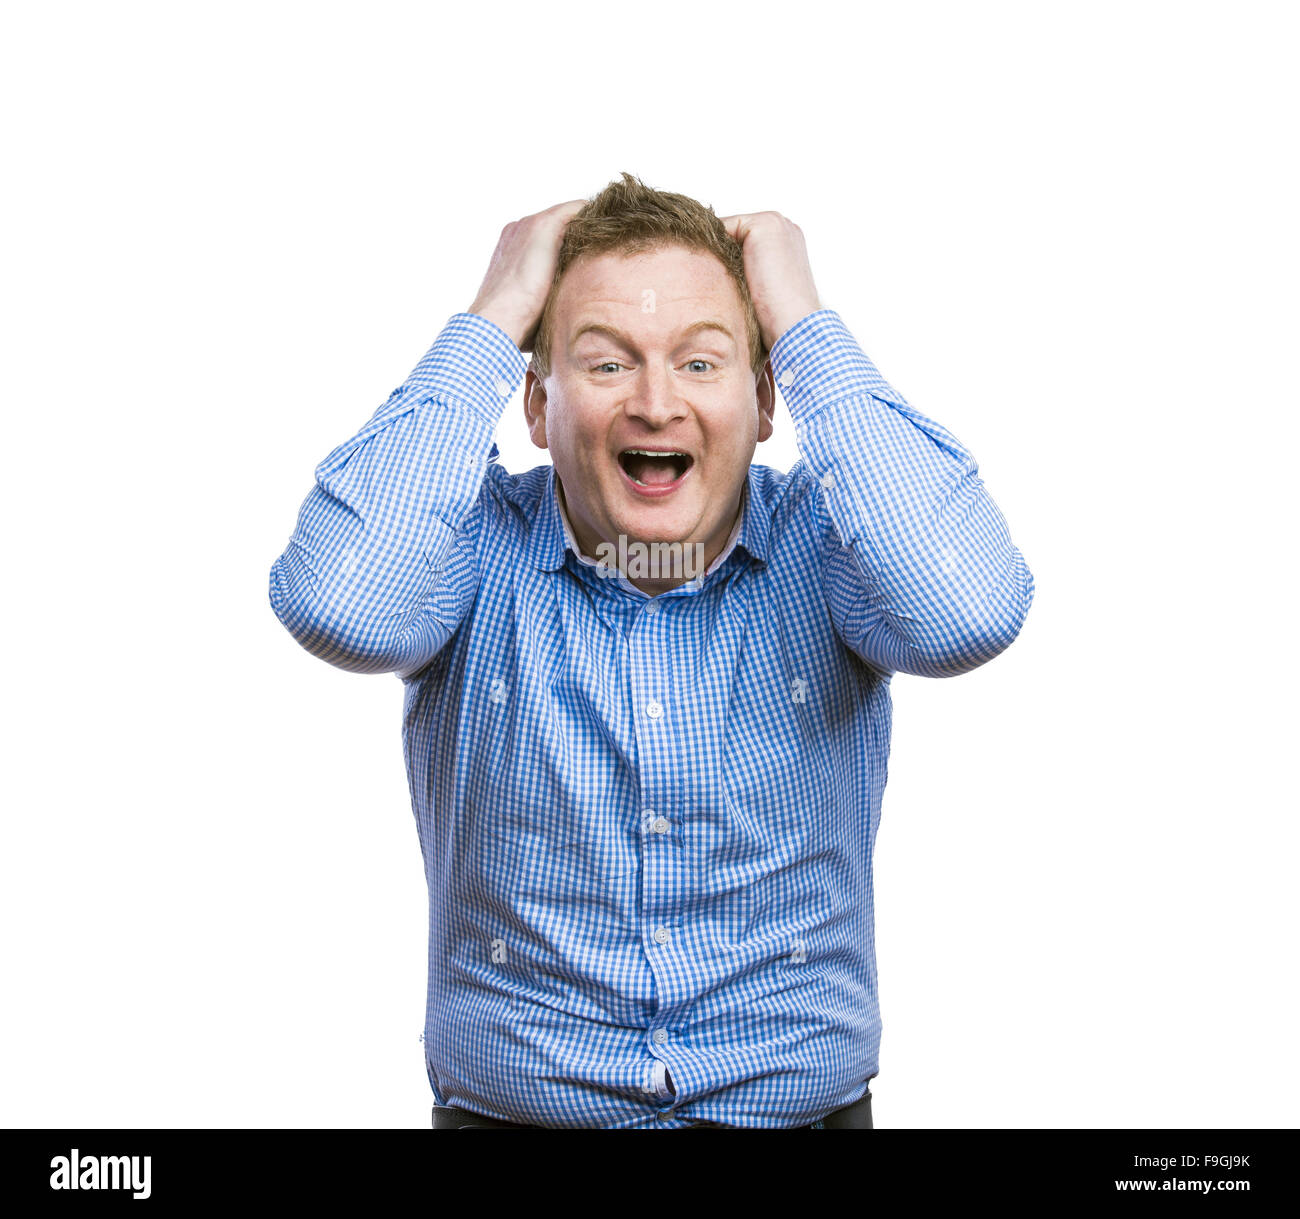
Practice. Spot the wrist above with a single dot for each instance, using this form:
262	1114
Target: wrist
777	324
508	320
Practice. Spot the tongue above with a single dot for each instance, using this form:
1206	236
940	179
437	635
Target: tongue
653	471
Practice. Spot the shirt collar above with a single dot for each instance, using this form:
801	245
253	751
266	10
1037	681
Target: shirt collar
552	534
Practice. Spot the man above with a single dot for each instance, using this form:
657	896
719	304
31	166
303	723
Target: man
647	793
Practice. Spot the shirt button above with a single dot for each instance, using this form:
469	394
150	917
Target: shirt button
653	709
659	1036
660	825
652	607
661	935
828	480
503	387
787	378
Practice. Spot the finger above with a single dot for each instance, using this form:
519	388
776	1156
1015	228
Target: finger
737	225
567	211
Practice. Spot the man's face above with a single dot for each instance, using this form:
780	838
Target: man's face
651	412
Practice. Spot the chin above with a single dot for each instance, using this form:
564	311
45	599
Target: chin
675	524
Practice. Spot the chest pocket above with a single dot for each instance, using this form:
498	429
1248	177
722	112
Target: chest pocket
776	777
779	771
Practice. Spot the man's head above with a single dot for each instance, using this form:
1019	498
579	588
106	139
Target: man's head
649	343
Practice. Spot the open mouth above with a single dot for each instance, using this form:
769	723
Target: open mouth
652	470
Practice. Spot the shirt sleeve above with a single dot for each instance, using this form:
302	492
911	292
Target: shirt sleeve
382	564
919	570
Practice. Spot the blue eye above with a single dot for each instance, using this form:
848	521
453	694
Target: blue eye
704	362
608	364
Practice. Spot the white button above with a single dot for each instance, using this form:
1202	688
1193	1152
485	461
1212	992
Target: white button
503	387
787	378
661	935
660	825
828	480
653	709
652	607
659	1036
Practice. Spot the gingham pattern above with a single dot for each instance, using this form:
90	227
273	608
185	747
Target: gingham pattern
648	823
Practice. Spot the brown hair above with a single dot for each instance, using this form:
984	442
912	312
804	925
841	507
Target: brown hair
629	217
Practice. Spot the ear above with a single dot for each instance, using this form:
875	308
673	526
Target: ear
535	407
765	391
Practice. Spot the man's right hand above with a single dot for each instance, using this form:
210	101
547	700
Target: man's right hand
518	279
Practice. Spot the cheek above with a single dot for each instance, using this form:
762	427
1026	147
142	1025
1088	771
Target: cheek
583	431
582	454
733	443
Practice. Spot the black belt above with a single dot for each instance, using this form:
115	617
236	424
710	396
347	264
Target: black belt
856	1116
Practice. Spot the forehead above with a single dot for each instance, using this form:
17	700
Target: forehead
672	285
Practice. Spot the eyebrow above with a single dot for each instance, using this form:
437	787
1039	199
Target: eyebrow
616	334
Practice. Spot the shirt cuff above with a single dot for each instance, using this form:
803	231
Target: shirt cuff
473	361
818	362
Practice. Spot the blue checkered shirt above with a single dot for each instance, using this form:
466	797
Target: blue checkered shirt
648	822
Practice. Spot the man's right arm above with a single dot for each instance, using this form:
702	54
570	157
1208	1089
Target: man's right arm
383	565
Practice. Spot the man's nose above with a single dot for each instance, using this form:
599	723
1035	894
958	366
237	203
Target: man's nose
654	398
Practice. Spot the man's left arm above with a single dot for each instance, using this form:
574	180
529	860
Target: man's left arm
924	578
919	569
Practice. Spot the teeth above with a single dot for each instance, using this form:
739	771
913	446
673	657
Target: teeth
653	453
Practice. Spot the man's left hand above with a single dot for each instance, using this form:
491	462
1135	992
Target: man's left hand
777	270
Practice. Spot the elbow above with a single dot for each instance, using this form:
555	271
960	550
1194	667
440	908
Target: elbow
977	628
321	627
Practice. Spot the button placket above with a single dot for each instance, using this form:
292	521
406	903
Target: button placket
652	692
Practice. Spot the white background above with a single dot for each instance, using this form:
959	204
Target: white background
1065	232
